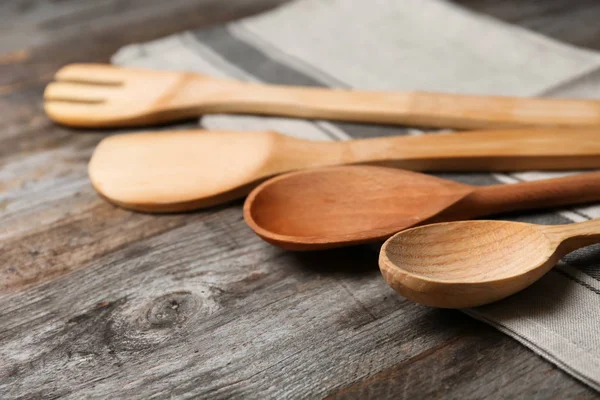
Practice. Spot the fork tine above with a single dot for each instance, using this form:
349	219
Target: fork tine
102	74
75	114
77	92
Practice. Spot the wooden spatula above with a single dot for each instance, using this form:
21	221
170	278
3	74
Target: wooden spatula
184	170
97	95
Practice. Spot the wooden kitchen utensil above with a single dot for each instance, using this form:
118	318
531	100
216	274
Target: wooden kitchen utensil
184	170
342	206
471	263
97	95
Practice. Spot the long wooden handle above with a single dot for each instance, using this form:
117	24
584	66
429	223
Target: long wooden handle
517	150
488	200
408	108
573	236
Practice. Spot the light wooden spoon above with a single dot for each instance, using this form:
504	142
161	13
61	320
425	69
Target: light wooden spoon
97	95
184	170
471	263
342	206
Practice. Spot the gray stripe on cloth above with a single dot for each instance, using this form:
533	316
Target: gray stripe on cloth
578	281
266	69
252	60
533	345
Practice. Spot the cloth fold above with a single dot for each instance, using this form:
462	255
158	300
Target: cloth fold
428	45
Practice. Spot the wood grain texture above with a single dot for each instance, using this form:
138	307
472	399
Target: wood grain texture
468	264
99	302
175	171
436	374
342	206
98	95
322	208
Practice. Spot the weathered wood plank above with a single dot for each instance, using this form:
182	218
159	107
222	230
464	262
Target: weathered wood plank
37	23
475	365
199	294
209	310
574	22
100	302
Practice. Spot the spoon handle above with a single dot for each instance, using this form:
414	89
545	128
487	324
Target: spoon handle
574	236
512	150
486	200
409	108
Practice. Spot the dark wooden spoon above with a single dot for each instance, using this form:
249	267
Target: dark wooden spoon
341	206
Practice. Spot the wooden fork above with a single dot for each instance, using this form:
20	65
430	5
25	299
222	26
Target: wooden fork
96	95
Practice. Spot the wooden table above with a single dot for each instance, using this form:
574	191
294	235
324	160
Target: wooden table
96	301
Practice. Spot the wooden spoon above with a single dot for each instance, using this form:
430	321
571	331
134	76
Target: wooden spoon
341	206
98	95
471	263
184	170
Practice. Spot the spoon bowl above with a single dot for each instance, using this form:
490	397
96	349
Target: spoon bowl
330	207
468	263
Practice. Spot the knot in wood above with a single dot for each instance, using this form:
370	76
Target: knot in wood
155	320
171	309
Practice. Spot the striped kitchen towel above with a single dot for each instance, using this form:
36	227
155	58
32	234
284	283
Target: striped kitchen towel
416	45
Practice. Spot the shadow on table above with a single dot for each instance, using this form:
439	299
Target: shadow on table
356	260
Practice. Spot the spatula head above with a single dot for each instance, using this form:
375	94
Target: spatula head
340	206
180	171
